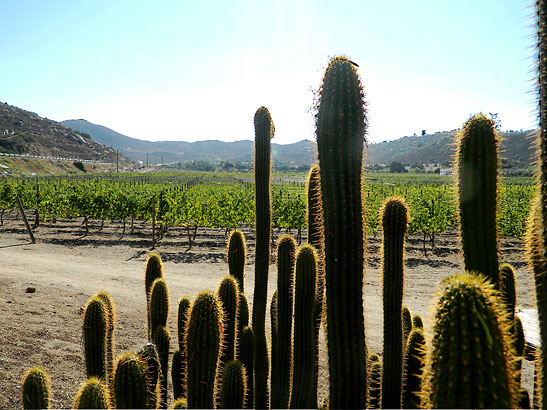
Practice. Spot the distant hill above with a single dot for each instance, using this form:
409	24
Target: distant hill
299	153
516	149
24	132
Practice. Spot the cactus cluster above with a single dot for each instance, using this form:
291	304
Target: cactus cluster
221	361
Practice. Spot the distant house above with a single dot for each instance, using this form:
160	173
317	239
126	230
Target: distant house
447	171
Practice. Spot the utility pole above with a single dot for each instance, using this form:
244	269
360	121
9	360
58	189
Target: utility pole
117	162
147	160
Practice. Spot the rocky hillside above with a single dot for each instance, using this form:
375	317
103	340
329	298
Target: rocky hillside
24	132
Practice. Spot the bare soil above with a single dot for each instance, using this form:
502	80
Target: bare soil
65	268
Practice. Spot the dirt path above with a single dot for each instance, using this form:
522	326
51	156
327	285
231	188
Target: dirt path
44	328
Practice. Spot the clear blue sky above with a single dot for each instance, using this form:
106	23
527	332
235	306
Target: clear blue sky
192	70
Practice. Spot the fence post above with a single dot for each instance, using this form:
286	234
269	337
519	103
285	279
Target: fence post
22	211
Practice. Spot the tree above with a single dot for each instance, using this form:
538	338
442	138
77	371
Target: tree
396	167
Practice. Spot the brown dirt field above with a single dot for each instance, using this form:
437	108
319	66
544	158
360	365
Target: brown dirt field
44	328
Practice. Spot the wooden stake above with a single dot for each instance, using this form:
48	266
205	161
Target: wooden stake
22	211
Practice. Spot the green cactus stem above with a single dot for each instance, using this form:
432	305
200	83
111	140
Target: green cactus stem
303	393
237	253
93	394
417	322
162	341
36	387
264	131
203	344
340	130
315	238
406	318
149	354
158	305
95	324
414	363
394	217
477	167
182	320
228	294
130	382
242	312
471	360
234	386
246	355
507	288
177	380
282	354
109	343
374	392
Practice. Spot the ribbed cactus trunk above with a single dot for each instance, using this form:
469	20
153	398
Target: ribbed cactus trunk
315	238
237	252
264	131
477	165
536	241
470	364
303	392
340	139
36	387
394	221
282	360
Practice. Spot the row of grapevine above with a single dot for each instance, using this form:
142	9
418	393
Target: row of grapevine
228	205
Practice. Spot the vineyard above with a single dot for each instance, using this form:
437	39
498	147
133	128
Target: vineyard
225	202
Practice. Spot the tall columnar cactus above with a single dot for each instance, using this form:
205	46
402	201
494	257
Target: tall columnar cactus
153	271
237	253
471	360
417	322
234	386
158	306
246	353
228	294
406	318
303	392
109	343
162	341
374	391
94	334
477	167
315	238
177	380
282	355
149	355
264	131
340	129
394	216
414	363
242	312
93	394
507	289
203	344
182	320
130	382
36	387
536	235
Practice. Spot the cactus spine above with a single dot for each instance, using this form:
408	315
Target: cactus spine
477	169
414	363
94	331
234	380
340	129
93	394
470	364
394	221
264	131
303	393
130	382
158	305
203	344
237	252
228	294
246	355
282	353
36	387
